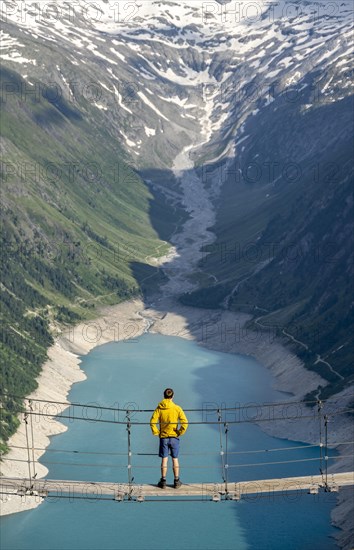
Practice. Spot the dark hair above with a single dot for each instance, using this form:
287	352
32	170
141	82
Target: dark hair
168	393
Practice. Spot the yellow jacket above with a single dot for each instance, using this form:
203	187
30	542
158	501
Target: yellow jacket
168	415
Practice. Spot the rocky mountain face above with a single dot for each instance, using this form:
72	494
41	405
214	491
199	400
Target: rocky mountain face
298	265
166	74
238	118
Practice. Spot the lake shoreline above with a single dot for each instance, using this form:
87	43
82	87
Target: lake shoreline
214	329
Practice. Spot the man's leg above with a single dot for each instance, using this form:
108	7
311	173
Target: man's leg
164	467
163	453
175	465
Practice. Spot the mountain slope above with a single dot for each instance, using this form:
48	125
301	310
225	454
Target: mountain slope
74	216
238	118
284	231
284	246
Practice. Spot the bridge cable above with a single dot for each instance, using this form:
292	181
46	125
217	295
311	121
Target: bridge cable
249	421
196	467
109	453
88	406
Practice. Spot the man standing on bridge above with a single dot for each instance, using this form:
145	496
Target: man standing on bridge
168	415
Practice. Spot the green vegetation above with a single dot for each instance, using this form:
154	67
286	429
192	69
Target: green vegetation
75	224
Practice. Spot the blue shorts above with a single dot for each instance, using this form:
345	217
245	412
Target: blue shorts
169	444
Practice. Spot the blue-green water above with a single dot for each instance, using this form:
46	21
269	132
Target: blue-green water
135	373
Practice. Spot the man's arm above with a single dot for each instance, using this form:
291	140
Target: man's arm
184	422
153	422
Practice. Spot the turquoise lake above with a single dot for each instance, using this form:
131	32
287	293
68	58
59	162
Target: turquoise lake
134	374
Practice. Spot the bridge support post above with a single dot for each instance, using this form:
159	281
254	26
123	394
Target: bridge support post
129	465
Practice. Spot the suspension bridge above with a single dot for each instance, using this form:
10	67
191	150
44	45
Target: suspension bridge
223	488
207	491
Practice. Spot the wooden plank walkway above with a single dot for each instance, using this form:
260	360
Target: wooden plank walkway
208	491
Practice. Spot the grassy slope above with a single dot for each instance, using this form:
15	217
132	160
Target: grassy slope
75	218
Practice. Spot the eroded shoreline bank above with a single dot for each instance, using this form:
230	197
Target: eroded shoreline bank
215	329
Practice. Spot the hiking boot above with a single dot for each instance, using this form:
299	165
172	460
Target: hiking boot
177	483
162	484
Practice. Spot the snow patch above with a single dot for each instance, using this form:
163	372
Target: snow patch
149	131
